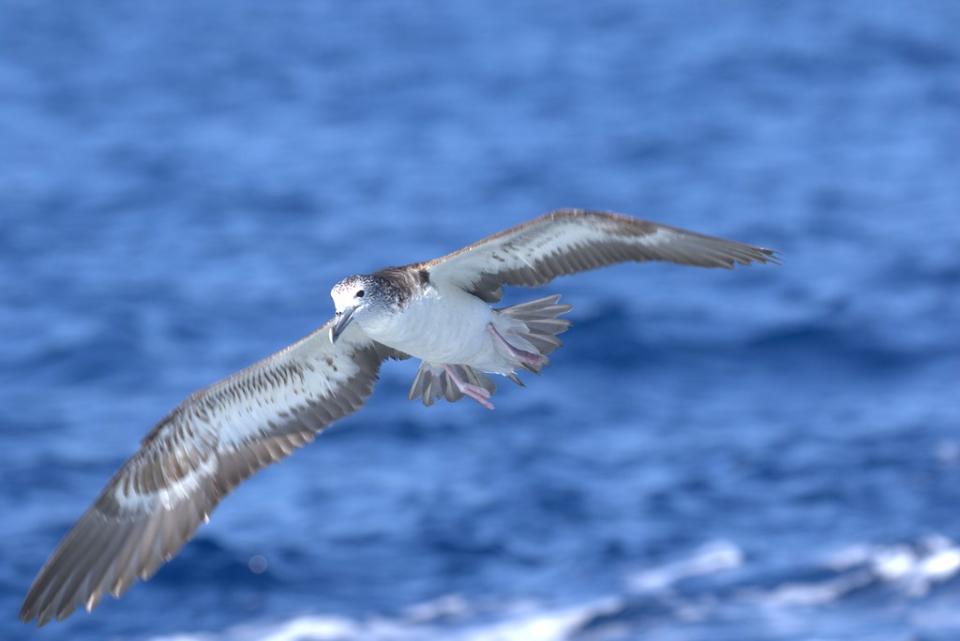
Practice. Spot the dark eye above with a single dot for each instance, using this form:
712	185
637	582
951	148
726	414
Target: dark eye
360	294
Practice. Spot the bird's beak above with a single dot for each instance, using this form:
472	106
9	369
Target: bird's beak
343	319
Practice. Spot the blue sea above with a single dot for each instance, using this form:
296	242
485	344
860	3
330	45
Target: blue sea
764	454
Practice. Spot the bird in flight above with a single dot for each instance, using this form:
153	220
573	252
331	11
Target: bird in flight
438	311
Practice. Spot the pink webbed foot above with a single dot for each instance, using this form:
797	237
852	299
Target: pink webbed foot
475	392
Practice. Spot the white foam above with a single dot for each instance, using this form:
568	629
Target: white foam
941	565
913	569
521	621
555	625
451	606
526	622
894	564
819	593
713	557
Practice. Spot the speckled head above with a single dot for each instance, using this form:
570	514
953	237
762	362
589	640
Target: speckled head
362	298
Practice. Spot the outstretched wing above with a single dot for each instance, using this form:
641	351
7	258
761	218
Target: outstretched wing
214	440
567	241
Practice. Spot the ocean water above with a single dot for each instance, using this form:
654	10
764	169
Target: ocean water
770	453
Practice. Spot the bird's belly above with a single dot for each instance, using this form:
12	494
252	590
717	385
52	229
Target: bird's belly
442	329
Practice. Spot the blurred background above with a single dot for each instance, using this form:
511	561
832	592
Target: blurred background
763	454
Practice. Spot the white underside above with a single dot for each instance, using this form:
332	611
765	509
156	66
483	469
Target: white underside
445	326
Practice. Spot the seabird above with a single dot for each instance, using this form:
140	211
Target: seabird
438	311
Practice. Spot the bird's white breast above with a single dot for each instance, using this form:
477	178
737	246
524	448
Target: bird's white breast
439	326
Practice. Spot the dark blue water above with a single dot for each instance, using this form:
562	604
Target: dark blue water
764	454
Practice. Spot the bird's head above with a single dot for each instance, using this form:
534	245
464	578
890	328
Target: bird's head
359	299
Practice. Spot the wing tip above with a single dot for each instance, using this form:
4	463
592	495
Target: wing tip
767	255
27	614
752	255
38	608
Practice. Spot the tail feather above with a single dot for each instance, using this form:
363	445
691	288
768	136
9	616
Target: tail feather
548	325
544	343
530	327
540	324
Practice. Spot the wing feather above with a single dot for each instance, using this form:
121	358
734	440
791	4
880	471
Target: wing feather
192	458
567	241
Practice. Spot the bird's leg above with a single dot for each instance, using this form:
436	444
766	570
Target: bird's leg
475	392
532	361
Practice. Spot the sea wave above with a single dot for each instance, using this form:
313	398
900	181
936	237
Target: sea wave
911	569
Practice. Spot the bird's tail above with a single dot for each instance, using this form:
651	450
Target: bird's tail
528	332
533	327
